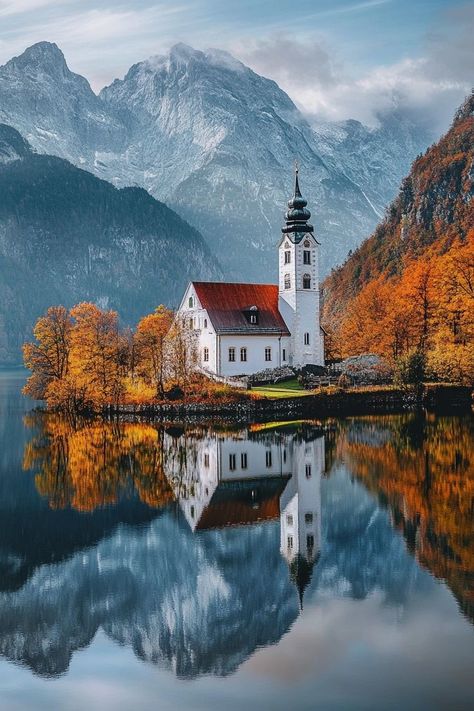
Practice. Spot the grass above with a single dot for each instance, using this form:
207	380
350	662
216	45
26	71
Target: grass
289	388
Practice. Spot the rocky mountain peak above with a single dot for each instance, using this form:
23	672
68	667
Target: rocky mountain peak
41	57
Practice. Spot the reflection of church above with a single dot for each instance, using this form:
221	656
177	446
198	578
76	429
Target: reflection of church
237	480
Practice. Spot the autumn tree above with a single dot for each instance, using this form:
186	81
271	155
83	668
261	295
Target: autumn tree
48	356
152	351
98	354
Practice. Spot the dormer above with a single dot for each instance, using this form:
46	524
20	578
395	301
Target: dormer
251	314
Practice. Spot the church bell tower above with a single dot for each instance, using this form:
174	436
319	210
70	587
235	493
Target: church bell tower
299	282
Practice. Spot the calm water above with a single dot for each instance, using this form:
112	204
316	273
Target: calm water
306	566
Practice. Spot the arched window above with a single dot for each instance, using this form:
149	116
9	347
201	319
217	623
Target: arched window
306	281
191	302
287	281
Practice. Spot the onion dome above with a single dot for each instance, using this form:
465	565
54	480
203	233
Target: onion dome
297	216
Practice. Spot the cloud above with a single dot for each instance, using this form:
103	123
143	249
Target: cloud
19	7
428	87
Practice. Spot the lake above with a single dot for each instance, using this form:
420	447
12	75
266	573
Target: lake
307	565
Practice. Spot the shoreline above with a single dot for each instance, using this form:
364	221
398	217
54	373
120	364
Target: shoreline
380	401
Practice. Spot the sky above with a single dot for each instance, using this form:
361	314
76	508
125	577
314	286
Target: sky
337	59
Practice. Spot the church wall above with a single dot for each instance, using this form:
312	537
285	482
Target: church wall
255	346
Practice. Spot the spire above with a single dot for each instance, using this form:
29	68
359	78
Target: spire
297	215
301	571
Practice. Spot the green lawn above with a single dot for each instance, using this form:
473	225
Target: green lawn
290	388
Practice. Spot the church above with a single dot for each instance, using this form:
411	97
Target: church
242	329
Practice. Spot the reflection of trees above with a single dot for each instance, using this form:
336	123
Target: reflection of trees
424	470
95	464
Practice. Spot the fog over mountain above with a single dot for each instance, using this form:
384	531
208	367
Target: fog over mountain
216	142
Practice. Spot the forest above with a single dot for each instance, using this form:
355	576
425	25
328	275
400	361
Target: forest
83	361
410	286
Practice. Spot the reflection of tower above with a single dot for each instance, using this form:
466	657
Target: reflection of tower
300	512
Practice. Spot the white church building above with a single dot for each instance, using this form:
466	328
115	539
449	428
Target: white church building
242	329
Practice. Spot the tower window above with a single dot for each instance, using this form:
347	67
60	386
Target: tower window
206	460
231	355
306	339
268	354
306	281
307	471
243	460
191	302
232	462
310	541
205	323
287	257
283	354
243	355
192	511
287	281
308	518
289	520
268	458
290	541
191	323
306	256
206	355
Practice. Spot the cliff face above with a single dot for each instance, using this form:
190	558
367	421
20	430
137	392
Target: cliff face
66	237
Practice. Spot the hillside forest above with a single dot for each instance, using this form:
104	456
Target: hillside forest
410	286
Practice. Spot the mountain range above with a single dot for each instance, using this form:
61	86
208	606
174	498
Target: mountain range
67	236
216	142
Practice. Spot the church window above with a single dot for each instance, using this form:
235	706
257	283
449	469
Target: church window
307	243
232	462
206	355
289	520
287	256
231	355
287	281
308	518
191	302
306	281
243	355
306	339
310	541
253	318
283	355
307	471
206	460
306	256
268	458
290	541
243	460
268	354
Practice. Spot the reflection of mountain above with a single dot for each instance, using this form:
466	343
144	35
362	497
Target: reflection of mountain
423	470
196	604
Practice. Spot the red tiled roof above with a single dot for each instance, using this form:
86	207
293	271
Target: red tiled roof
231	513
226	304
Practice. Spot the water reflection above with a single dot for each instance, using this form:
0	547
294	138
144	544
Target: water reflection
196	547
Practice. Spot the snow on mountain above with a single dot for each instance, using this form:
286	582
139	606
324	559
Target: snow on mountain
217	142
